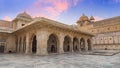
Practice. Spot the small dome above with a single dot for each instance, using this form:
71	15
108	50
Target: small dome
84	18
92	18
24	15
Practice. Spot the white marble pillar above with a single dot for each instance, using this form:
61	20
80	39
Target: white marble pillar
79	45
71	45
91	43
18	45
21	45
27	43
86	45
42	37
17	48
61	42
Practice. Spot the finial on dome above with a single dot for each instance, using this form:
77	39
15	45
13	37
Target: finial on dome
83	14
24	12
84	18
92	18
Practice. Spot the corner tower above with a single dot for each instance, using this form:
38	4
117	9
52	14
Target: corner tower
21	20
85	23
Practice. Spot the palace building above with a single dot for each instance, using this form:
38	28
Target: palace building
106	32
42	36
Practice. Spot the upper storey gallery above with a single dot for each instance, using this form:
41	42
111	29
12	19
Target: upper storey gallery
24	18
20	20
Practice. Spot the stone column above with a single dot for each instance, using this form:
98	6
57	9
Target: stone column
27	43
92	44
21	45
61	41
42	37
86	45
71	49
18	45
79	44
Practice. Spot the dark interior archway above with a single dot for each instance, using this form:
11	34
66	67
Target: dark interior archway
89	44
2	49
34	44
67	43
2	45
82	44
75	44
52	44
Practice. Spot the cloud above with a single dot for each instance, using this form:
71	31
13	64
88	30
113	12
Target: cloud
7	18
51	8
97	18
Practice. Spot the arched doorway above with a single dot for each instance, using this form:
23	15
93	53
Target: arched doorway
52	44
24	44
75	44
89	44
82	44
34	44
67	43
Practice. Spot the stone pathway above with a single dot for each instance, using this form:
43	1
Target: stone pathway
59	61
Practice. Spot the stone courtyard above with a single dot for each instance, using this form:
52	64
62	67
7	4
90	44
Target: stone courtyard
68	60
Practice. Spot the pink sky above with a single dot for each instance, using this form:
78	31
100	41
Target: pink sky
68	11
51	8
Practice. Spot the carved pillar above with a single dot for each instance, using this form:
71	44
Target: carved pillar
17	50
71	45
91	43
27	43
42	37
79	45
86	45
61	43
21	45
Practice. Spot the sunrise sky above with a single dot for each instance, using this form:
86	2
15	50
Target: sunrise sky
66	11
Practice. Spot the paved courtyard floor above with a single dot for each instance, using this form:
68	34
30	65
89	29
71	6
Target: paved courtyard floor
59	61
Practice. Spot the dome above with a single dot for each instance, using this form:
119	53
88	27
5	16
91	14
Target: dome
84	18
23	15
92	18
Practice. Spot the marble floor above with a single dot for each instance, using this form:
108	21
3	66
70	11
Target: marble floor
59	61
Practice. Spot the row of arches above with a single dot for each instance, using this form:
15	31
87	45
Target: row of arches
53	44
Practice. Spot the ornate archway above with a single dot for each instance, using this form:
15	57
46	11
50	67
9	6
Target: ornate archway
67	44
34	44
52	44
82	44
75	44
89	44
